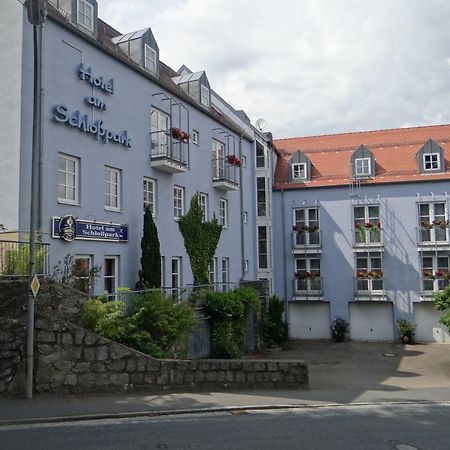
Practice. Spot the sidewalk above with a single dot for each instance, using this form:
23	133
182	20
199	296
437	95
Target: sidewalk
339	374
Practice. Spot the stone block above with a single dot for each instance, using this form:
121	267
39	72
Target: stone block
272	366
51	358
284	366
131	365
117	366
79	336
162	379
182	365
99	367
229	376
101	379
211	375
189	377
225	365
153	365
66	339
119	379
70	380
199	376
102	352
73	353
90	354
248	366
221	376
259	377
251	377
259	366
119	352
136	378
236	365
45	337
65	366
239	377
41	324
45	349
86	379
149	378
81	367
90	339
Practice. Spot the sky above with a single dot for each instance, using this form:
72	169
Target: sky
308	67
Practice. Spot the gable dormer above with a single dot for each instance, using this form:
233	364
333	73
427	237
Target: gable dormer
82	13
141	47
430	158
362	163
299	168
195	84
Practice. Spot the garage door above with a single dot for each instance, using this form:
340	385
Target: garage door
371	322
428	327
309	320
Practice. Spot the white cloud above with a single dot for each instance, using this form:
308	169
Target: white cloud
308	67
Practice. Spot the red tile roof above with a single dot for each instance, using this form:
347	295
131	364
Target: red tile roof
394	151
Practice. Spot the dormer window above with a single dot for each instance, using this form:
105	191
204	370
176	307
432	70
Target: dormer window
431	161
362	167
298	171
149	58
204	95
85	15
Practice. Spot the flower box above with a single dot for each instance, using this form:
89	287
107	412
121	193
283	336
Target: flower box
179	134
233	160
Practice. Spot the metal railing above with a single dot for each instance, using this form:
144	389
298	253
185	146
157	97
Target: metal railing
222	170
431	285
307	239
308	288
370	237
433	236
164	146
369	288
15	255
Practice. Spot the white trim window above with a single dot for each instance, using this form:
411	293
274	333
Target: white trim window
212	270
149	186
111	274
149	58
431	161
223	212
176	272
308	277
159	128
243	161
195	137
299	171
218	155
245	216
112	189
261	196
260	156
68	179
82	265
204	95
263	253
85	15
432	220
369	273
178	202
435	269
362	167
203	202
225	273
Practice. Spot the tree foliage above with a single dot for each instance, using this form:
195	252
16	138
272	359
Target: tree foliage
274	330
200	240
150	272
442	303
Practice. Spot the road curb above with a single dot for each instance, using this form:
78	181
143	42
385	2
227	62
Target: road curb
230	409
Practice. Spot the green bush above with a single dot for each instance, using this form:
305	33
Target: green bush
274	331
15	261
156	325
228	313
442	303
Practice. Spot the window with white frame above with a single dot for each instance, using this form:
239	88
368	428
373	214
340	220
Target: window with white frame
362	167
435	272
178	202
203	202
150	58
111	271
68	179
176	272
243	161
298	171
212	269
195	137
204	95
369	273
431	161
85	14
149	186
262	247
159	130
225	273
245	216
306	226
307	274
433	223
218	162
223	212
163	271
260	156
81	270
245	265
112	189
261	196
367	224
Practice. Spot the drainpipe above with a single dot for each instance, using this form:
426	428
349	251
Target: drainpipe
283	227
241	202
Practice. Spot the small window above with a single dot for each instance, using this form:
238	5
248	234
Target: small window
195	137
245	217
299	171
112	189
68	179
85	15
149	58
176	272
110	267
245	265
178	202
149	186
362	167
431	161
212	267
204	95
223	213
225	274
243	161
203	200
260	156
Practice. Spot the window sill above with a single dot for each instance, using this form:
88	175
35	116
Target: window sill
67	202
112	209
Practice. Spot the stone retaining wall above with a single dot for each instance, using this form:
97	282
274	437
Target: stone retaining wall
70	359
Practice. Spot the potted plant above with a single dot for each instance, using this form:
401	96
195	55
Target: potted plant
442	224
426	225
300	229
339	328
233	160
406	330
180	134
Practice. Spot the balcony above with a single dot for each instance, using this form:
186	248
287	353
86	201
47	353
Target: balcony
307	287
306	241
433	237
369	287
224	175
432	283
168	153
368	237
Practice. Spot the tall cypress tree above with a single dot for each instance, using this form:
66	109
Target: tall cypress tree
150	273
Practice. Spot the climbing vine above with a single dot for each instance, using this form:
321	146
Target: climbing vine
200	240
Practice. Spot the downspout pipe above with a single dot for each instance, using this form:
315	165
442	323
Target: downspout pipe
285	284
241	203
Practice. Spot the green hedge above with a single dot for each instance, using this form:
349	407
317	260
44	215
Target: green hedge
274	331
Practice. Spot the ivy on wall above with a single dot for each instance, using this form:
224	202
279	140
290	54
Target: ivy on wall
200	240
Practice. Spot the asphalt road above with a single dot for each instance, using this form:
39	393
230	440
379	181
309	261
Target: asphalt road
375	427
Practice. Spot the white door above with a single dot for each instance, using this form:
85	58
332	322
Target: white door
428	327
371	322
309	320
